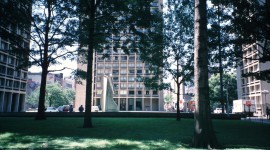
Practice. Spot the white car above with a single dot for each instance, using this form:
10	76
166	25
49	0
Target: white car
95	109
218	111
51	109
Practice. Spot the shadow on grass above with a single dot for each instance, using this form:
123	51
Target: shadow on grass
108	133
125	133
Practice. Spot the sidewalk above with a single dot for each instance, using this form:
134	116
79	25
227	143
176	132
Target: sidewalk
257	119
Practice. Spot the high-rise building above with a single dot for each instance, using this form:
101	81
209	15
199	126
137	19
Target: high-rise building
12	80
130	94
249	87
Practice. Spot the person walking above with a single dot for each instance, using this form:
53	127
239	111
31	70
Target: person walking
81	109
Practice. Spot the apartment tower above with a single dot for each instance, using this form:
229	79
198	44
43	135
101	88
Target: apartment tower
250	87
130	94
12	80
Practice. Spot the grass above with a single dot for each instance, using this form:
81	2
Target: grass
125	133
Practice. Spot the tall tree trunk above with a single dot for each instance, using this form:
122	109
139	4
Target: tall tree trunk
221	98
204	136
178	117
45	64
41	103
89	78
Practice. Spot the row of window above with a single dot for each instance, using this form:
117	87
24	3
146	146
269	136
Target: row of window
121	64
12	84
12	73
131	92
123	71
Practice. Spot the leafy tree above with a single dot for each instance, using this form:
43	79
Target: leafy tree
251	25
55	96
220	42
53	29
230	87
104	21
168	98
178	43
204	135
169	46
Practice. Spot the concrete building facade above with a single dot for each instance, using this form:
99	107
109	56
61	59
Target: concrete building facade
249	87
130	94
12	80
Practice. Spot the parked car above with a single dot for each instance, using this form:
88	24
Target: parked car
95	109
218	111
63	108
51	109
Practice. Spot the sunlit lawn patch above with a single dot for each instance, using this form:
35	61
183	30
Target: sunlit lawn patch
124	133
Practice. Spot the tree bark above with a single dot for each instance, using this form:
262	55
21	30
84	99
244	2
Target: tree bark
178	117
41	103
45	64
204	136
89	77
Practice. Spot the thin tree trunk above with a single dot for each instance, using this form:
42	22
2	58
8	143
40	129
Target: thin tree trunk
88	100
178	117
204	136
221	98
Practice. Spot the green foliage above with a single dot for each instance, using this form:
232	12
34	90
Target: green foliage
251	25
220	38
230	86
168	98
55	96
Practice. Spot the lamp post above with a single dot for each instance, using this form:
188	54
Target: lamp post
264	92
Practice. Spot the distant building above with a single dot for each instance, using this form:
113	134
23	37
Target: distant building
68	82
12	80
34	80
129	94
248	87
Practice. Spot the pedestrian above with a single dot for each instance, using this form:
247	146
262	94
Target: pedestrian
81	108
70	108
267	112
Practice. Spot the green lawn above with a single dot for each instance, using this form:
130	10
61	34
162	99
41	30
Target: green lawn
125	133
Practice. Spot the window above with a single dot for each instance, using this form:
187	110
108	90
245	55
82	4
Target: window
122	104
123	92
139	92
98	84
130	85
99	92
115	78
131	71
123	71
131	79
2	69
123	65
10	72
123	85
155	92
115	64
124	58
2	81
123	78
98	78
146	92
139	71
131	92
115	72
131	104
115	58
131	64
131	58
116	85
